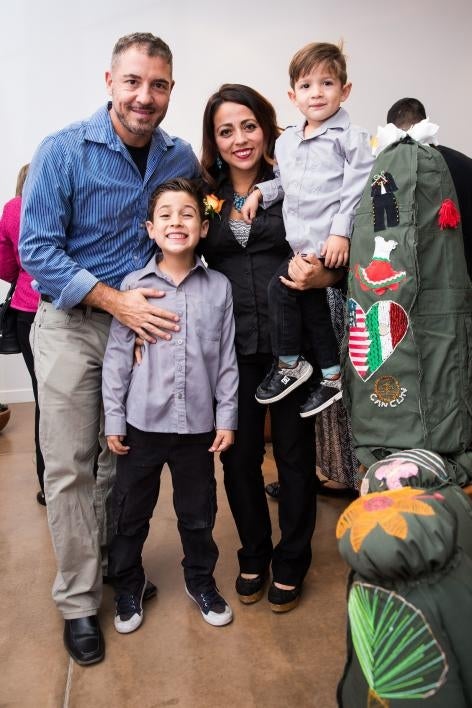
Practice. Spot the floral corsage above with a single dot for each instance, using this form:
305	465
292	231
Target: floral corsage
213	205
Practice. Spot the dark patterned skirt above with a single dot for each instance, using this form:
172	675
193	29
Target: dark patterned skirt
334	451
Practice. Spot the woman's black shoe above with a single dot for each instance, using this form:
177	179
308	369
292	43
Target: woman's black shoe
283	600
40	498
250	589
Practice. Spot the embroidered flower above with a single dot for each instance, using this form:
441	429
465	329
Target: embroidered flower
384	509
394	471
213	205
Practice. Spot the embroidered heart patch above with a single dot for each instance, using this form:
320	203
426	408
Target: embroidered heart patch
374	335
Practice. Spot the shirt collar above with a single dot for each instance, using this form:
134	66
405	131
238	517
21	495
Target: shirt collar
152	267
99	129
339	120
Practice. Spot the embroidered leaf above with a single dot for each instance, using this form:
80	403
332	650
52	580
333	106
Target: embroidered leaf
397	651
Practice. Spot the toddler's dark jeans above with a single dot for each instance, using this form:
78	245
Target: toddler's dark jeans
301	319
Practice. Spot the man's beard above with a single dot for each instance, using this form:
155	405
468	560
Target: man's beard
134	126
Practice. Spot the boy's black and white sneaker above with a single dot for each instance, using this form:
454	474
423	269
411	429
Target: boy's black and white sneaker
214	608
129	611
281	382
322	396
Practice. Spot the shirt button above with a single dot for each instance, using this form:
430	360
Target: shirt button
179	341
179	395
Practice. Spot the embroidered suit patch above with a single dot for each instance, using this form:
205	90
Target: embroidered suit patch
384	203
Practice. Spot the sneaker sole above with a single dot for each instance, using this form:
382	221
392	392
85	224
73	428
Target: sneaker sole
327	404
288	391
132	624
219	620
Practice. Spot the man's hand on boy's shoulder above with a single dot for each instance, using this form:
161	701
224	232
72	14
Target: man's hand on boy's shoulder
335	251
223	440
115	444
133	309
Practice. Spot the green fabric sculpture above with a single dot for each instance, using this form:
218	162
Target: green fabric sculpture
410	594
408	350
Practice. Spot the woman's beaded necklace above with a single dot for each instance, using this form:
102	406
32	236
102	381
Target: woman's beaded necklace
239	199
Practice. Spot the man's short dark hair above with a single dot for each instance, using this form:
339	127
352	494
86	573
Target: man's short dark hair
406	112
149	43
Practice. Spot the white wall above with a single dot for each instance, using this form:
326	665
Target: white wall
54	54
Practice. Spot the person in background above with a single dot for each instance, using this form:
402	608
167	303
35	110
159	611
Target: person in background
239	133
24	301
83	230
405	113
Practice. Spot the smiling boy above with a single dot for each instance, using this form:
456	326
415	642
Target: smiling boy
322	167
166	409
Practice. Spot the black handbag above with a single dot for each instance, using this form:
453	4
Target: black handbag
9	343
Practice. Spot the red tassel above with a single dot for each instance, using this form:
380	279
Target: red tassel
448	216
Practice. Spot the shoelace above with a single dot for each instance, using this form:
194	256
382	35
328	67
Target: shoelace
270	373
211	600
127	604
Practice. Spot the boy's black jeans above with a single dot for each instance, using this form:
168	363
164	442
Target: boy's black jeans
135	495
301	319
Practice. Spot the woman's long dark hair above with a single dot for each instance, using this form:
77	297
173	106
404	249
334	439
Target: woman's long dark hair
265	115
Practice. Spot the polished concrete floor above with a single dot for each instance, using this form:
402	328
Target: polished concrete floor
175	658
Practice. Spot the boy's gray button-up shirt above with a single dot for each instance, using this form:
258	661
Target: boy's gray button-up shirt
321	179
188	384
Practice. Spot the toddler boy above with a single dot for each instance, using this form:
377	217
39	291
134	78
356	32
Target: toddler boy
322	167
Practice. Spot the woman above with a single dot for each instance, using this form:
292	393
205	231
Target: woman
239	132
24	301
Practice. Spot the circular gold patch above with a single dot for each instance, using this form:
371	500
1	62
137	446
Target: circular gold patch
387	388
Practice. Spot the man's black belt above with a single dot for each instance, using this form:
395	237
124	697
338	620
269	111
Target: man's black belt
80	306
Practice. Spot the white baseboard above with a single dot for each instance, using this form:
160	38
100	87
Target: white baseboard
17	395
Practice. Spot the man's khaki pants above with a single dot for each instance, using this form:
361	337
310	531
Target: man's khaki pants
68	347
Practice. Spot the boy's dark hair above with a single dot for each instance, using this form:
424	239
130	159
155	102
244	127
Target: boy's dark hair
180	184
264	113
152	45
406	112
314	54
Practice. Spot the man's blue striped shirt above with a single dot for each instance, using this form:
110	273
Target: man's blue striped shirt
85	206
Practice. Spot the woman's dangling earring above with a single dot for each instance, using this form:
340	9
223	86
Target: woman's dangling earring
219	161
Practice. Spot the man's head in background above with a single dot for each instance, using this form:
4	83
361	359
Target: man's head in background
406	112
